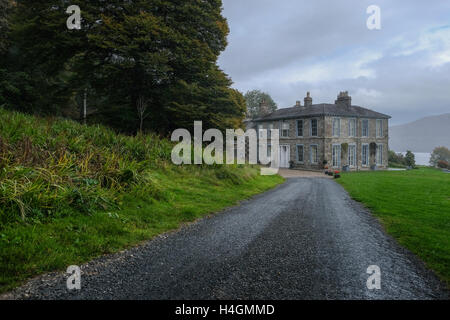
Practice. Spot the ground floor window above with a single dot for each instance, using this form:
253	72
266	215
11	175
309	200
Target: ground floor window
365	155
269	152
352	155
314	155
300	153
336	155
379	154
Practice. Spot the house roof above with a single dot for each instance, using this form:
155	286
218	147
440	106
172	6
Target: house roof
321	110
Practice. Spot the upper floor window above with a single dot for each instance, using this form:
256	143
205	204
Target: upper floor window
352	127
299	128
285	129
260	129
269	132
314	131
379	127
365	128
336	127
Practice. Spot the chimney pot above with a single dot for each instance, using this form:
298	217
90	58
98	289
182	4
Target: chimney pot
298	104
308	99
344	99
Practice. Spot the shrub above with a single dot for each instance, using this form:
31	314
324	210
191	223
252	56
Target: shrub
440	153
410	159
443	164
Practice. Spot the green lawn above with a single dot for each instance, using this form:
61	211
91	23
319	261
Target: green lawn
413	206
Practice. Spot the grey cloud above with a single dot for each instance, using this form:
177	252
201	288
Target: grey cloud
270	41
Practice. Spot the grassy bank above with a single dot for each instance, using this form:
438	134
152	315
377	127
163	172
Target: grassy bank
69	193
414	207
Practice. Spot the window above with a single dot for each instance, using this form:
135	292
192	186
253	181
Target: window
365	127
352	127
336	155
300	153
336	127
379	154
269	133
352	155
379	127
269	152
365	155
313	154
260	131
299	128
284	129
314	128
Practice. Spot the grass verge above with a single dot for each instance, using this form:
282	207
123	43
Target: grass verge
413	206
70	193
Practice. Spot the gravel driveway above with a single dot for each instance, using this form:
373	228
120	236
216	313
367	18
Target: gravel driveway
306	239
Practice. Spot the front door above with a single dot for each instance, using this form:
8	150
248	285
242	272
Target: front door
285	156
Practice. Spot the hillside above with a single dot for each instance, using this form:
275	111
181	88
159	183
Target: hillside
422	135
69	193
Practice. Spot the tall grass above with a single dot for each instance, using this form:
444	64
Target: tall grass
53	167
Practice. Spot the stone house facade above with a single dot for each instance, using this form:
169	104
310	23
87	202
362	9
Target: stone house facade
334	135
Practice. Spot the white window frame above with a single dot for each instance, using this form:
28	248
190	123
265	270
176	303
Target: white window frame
367	156
362	128
310	127
350	133
379	128
333	155
338	120
311	154
350	146
303	128
378	154
303	153
282	129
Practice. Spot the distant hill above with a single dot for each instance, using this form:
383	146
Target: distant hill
422	135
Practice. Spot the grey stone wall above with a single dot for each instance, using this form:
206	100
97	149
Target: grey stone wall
325	141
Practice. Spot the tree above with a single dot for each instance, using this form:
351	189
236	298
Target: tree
396	158
141	107
440	154
164	51
254	99
410	160
5	6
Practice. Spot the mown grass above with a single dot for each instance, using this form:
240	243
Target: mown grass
413	206
69	193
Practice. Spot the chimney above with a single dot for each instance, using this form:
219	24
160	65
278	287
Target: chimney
298	104
344	99
308	100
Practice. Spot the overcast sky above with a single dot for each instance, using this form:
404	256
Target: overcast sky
288	47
